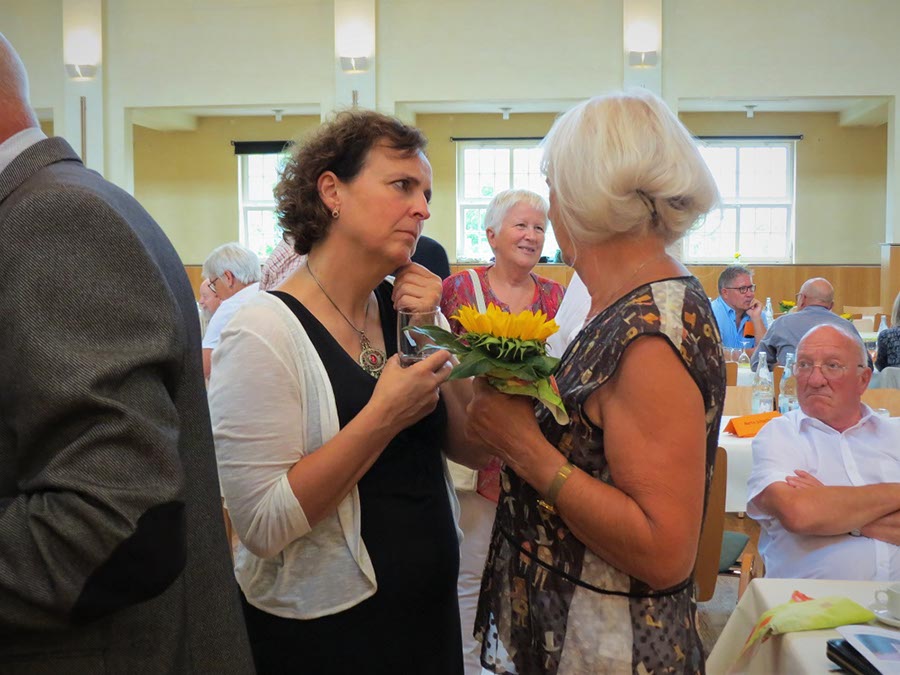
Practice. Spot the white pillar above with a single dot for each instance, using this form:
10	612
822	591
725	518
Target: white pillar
354	38
82	123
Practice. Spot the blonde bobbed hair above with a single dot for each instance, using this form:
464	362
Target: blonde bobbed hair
624	164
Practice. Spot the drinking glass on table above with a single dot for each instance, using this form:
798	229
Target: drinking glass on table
411	345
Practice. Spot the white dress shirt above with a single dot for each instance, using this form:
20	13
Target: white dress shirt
223	315
865	454
18	143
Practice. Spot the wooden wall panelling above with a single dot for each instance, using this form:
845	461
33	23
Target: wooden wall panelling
890	275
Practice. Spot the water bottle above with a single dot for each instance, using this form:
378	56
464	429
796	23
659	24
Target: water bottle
787	397
763	388
883	325
768	314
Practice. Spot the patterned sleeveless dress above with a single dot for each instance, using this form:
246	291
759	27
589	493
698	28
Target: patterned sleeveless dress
548	605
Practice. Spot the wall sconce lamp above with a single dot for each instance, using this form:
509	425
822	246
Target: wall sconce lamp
354	64
750	110
81	73
643	59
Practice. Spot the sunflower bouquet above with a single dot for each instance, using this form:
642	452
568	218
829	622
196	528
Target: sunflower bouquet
787	305
508	349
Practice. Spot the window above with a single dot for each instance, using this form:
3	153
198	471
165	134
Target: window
755	219
258	172
484	168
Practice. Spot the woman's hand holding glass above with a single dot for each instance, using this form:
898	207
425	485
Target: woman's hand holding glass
403	396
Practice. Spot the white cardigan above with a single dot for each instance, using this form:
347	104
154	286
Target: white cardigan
271	403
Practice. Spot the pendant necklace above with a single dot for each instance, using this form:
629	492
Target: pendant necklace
371	359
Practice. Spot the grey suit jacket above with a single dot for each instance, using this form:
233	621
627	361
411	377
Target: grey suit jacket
113	556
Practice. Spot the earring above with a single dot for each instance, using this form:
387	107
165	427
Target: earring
335	214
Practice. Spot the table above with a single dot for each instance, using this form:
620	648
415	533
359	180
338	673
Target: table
740	461
792	652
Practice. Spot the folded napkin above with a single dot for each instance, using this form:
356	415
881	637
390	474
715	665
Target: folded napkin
748	426
800	614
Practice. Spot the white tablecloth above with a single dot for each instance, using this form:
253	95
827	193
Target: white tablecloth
740	461
792	652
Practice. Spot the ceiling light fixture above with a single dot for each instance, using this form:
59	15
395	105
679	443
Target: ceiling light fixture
750	110
504	110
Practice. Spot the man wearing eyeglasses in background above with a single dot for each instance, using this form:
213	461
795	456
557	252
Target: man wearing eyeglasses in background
737	306
825	484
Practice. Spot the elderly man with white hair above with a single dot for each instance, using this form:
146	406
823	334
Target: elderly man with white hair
233	273
825	485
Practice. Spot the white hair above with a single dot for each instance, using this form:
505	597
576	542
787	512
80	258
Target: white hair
624	164
504	201
235	258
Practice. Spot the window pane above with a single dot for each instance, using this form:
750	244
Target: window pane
527	171
475	244
263	234
486	172
715	236
722	163
764	232
763	173
262	174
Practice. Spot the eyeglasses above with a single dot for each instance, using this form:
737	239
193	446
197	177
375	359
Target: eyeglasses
742	289
212	284
831	370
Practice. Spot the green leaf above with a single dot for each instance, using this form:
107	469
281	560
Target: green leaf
472	364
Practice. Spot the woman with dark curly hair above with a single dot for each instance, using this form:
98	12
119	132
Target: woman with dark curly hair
329	451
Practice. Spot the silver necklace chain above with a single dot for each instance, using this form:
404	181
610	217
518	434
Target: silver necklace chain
370	359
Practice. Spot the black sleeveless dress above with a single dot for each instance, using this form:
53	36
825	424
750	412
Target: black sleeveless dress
411	624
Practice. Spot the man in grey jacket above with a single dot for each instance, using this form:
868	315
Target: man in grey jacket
814	303
113	556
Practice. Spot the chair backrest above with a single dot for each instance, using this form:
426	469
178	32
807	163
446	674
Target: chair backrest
706	568
865	324
862	310
878	398
776	378
738	400
730	373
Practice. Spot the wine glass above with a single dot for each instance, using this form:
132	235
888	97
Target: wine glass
413	346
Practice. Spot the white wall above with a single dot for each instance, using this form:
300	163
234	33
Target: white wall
34	27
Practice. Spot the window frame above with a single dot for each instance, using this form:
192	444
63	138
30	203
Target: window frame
464	203
245	204
739	203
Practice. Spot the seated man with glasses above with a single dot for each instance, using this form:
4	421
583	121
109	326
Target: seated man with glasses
814	303
825	484
736	307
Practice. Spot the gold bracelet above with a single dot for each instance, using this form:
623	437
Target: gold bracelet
548	503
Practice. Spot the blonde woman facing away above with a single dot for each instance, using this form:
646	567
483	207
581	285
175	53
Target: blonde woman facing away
593	547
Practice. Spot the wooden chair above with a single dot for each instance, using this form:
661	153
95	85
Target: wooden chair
875	398
739	400
862	311
706	568
730	373
752	567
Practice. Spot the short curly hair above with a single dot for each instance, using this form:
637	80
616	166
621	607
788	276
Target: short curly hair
340	146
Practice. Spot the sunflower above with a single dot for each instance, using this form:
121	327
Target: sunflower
509	350
526	325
